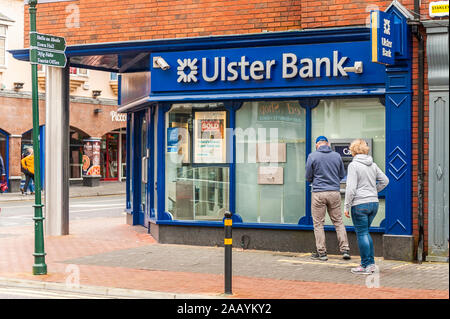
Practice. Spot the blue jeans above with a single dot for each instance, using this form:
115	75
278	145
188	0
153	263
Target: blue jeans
362	217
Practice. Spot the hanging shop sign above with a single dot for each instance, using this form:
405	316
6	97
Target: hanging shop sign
382	36
324	64
438	9
210	137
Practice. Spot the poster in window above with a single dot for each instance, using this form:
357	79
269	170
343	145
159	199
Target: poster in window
210	137
178	141
91	158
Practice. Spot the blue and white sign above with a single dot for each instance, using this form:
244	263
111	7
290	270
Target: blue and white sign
382	34
275	67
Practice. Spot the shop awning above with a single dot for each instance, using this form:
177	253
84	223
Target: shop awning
133	56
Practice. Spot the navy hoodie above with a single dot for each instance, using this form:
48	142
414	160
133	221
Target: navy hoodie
324	169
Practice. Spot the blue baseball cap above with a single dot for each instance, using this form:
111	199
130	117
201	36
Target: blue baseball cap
321	138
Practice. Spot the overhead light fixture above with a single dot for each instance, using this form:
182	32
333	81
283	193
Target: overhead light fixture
96	111
160	63
96	93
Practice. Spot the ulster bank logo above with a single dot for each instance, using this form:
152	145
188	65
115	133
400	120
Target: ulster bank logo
187	70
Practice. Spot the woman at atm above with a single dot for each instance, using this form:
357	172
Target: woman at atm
364	180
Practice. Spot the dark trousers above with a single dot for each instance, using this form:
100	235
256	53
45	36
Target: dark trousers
28	176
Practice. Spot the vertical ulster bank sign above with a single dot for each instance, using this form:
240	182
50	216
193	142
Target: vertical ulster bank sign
272	67
382	36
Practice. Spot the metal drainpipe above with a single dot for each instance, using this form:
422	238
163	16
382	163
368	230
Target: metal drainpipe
420	147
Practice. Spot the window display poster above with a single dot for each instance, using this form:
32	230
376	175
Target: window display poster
178	141
172	140
210	137
91	158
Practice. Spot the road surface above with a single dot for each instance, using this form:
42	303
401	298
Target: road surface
20	213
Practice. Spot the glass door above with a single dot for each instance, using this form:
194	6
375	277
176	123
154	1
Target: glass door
145	154
109	157
4	153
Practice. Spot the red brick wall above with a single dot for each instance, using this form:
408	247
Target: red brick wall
105	21
102	21
82	117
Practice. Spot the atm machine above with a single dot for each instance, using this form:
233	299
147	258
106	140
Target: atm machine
342	147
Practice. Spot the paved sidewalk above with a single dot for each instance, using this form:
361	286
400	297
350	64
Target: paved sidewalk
105	254
105	188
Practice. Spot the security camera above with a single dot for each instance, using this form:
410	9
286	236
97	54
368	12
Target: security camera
357	67
160	63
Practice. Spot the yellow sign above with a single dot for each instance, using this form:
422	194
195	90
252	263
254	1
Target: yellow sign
439	9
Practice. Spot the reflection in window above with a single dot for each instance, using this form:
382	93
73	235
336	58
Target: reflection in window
76	153
3	29
351	119
270	162
196	192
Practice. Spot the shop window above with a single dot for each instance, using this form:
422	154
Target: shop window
27	141
197	175
4	148
270	162
109	156
76	154
124	155
3	29
348	119
78	71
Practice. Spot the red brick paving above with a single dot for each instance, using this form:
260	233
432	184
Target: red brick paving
95	236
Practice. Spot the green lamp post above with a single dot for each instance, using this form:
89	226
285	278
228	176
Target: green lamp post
39	267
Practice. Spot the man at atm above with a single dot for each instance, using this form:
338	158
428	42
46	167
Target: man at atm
325	170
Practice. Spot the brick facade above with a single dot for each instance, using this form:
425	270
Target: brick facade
82	118
158	19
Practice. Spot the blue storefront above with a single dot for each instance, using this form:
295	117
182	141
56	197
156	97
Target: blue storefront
225	123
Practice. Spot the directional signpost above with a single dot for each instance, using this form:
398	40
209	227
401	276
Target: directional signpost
47	50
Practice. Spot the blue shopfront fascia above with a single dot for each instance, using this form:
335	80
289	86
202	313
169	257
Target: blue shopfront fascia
395	89
392	84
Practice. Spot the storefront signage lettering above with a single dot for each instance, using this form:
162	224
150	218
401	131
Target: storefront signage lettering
439	9
244	69
382	32
118	117
280	111
266	67
344	151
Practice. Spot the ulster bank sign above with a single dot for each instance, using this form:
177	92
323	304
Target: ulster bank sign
275	67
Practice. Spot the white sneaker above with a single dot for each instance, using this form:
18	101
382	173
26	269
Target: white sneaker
372	268
360	270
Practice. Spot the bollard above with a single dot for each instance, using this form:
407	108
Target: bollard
228	242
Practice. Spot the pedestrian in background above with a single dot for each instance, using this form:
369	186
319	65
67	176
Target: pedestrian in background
28	169
325	170
364	180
